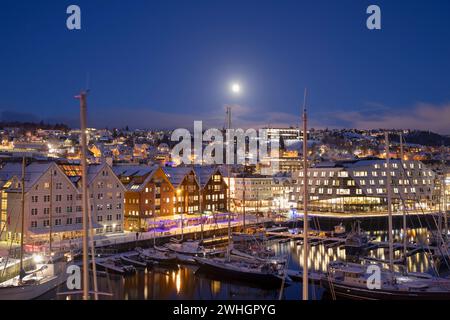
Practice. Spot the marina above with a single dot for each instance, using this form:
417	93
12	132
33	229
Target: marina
188	281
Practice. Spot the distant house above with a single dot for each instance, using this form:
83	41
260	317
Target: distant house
213	189
149	194
187	189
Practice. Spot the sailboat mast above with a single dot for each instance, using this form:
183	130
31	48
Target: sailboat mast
50	235
405	237
228	176
83	107
445	209
201	209
305	201
389	203
22	227
243	200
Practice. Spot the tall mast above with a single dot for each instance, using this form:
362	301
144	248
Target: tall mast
445	208
201	208
405	236
94	267
243	201
305	201
83	107
22	227
51	213
228	176
389	203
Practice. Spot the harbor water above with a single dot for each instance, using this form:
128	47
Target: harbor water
189	283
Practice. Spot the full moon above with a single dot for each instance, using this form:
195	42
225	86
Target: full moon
235	87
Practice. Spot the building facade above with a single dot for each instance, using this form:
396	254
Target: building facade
213	189
361	186
53	201
149	194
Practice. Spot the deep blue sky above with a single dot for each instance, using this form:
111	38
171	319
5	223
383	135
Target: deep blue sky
166	63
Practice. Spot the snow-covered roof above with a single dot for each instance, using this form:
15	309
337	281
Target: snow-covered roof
133	170
176	175
204	174
33	172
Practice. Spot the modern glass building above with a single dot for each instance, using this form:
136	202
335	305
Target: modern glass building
361	186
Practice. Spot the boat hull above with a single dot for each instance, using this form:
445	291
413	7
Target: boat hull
259	279
357	293
34	291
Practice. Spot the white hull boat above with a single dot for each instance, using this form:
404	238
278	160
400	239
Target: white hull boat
36	283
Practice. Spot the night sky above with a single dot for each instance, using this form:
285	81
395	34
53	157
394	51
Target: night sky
164	64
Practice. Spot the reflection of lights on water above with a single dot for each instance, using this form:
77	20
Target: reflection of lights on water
215	287
145	284
178	282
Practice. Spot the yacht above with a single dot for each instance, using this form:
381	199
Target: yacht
263	274
35	283
350	280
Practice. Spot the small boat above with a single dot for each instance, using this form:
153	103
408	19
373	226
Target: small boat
158	256
249	235
135	260
261	274
111	265
356	242
185	259
191	248
162	249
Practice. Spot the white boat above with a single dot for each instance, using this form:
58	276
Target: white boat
158	256
190	248
44	278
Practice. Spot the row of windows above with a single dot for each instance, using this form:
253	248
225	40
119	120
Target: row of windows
35	211
331	174
101	185
191	209
253	182
341	191
165	200
363	173
108	206
69	197
69	209
57	222
109	217
109	229
362	182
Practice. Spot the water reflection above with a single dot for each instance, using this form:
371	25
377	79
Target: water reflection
186	283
